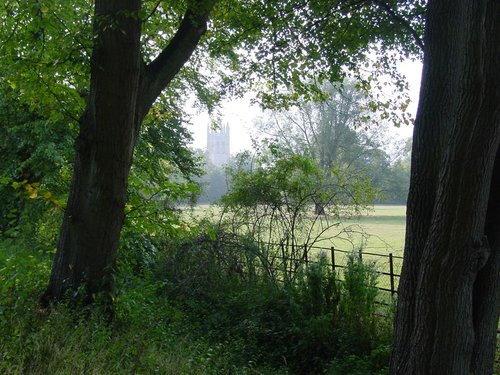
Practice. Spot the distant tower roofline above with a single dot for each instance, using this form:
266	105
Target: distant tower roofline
218	144
223	129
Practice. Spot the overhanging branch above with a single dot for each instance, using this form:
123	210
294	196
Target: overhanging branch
160	72
403	22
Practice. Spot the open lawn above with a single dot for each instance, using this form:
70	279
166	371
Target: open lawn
378	233
381	230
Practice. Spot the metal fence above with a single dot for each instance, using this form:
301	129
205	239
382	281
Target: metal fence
387	266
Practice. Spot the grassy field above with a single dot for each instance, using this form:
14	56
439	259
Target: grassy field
378	232
381	230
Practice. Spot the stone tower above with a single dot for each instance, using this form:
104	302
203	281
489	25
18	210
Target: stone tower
218	145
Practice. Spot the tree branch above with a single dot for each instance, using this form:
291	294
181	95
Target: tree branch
152	12
403	22
160	72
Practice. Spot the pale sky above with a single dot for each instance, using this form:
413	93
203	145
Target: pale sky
241	115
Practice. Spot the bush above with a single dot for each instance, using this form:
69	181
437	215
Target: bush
317	323
281	203
148	334
208	308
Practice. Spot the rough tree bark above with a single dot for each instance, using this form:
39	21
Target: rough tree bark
122	90
449	293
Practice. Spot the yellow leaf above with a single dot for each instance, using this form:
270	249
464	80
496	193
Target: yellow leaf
32	192
17	185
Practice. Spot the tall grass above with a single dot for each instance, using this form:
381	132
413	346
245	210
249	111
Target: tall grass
148	335
193	307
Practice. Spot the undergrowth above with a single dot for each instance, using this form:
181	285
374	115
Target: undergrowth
323	322
148	335
194	307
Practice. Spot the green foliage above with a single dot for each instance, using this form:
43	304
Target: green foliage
37	147
329	131
274	203
202	313
318	323
148	335
45	55
35	170
359	306
45	59
161	177
286	179
293	183
286	49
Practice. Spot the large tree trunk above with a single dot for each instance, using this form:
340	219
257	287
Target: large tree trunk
122	91
94	213
448	295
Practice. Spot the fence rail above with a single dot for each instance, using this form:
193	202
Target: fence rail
393	265
335	263
387	265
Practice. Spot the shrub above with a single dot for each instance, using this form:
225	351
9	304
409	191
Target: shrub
320	322
148	334
286	204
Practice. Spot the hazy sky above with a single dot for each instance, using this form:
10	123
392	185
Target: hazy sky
241	115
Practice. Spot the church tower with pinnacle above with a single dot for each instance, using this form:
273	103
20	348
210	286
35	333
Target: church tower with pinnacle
218	145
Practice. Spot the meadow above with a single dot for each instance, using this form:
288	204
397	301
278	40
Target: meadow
380	229
384	228
376	232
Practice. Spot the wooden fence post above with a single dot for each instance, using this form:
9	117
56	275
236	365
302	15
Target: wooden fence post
332	251
305	255
391	272
360	254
